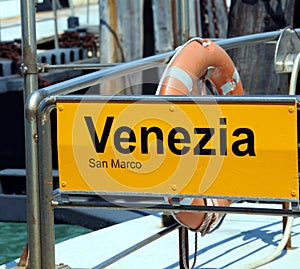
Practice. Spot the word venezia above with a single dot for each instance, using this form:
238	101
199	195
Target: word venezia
178	139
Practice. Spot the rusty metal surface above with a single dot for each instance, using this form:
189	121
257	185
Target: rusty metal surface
24	259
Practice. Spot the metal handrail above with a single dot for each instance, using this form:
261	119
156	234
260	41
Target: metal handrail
227	44
38	122
127	68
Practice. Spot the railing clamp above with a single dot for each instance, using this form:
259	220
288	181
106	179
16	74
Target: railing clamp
287	48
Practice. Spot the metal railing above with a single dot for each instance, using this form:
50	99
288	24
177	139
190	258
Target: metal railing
40	201
38	107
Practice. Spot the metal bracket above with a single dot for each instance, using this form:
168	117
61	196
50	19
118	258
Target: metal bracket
42	67
287	48
29	69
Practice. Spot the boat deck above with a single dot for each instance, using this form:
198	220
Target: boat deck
240	241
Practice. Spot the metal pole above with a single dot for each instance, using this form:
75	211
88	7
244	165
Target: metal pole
30	85
100	27
184	20
71	5
174	24
54	8
46	187
49	67
198	19
286	205
183	248
179	22
88	12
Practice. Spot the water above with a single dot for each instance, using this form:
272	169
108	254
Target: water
13	237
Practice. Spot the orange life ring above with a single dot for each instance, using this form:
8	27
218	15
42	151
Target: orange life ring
197	59
192	61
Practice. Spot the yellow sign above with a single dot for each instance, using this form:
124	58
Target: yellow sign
184	148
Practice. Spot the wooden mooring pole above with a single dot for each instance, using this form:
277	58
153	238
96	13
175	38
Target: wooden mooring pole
254	63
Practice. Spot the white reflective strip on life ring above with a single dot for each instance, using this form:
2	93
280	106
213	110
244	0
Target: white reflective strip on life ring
230	85
181	75
236	76
186	201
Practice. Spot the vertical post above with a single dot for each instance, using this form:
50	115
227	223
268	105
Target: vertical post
184	20
54	8
179	22
88	11
71	5
258	76
198	19
183	248
286	205
100	26
164	26
175	24
192	19
30	85
46	189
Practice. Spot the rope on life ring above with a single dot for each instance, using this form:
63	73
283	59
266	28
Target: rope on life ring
198	59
